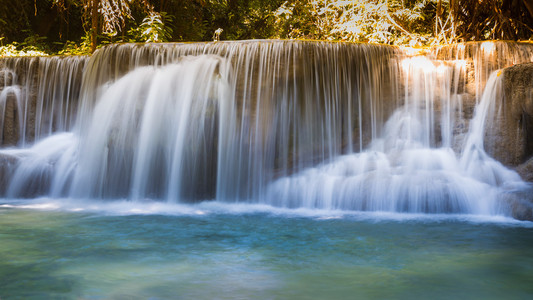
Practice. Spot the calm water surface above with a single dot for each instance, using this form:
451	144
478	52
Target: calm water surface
49	250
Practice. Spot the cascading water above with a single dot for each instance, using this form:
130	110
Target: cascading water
38	96
293	124
404	171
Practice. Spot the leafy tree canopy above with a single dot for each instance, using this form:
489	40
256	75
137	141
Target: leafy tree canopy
78	26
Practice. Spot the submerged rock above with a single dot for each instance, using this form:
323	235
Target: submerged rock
521	204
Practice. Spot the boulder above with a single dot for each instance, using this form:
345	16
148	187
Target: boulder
509	133
521	204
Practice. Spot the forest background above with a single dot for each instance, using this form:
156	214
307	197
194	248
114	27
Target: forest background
41	27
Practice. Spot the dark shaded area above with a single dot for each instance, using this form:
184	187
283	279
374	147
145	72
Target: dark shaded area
49	25
40	23
494	19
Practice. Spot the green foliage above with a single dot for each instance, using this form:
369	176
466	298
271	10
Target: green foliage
401	22
153	28
67	24
13	50
240	19
34	43
298	19
73	48
374	21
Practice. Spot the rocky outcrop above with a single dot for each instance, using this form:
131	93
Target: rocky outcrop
509	136
509	131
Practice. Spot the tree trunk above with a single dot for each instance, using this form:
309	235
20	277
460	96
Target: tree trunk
454	16
438	15
94	24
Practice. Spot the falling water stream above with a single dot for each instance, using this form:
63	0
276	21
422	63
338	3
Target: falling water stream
276	169
291	124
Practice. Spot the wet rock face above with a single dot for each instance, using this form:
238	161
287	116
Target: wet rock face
526	170
6	166
9	135
509	135
518	89
6	77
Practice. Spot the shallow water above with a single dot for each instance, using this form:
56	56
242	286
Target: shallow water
52	249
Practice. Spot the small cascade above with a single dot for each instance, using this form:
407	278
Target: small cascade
284	123
38	96
152	132
474	160
290	99
481	59
403	171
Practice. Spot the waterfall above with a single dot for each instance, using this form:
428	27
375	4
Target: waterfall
402	171
285	123
38	96
483	59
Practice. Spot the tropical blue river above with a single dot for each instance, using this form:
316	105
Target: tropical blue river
120	250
